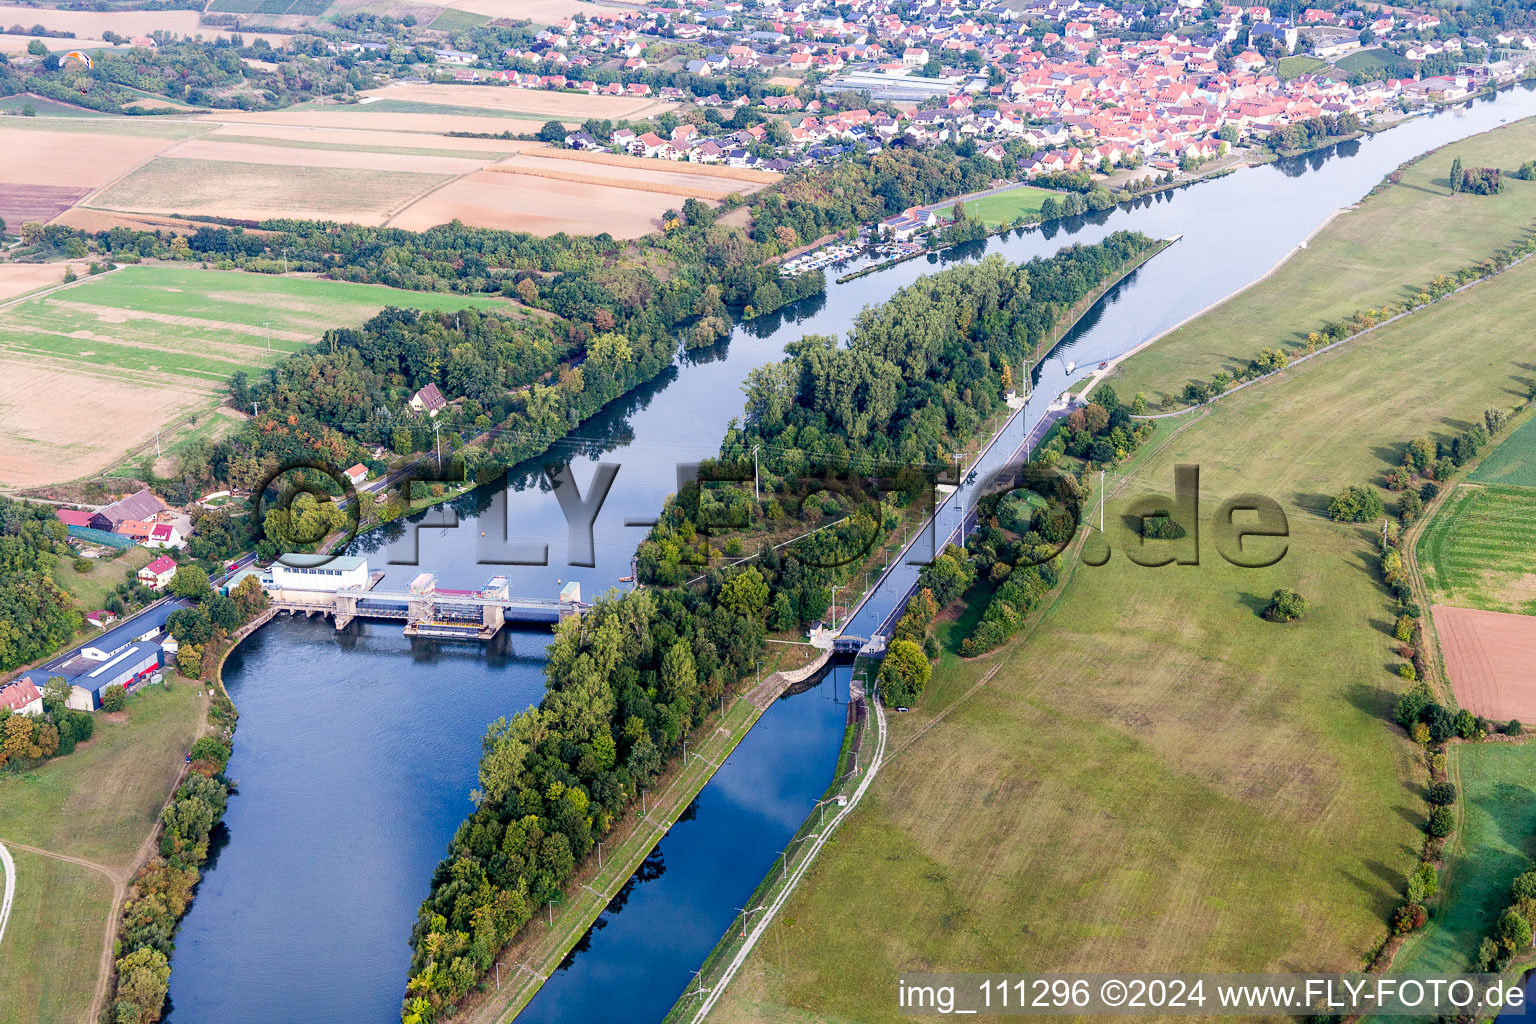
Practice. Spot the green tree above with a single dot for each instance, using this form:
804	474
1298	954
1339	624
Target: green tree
143	979
746	593
191	583
114	699
1285	606
904	673
1455	175
1355	504
1513	931
553	132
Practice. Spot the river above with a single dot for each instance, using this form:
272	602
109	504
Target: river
356	751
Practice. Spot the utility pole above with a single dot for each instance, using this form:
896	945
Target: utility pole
599	855
285	259
757	494
268	325
255	409
437	445
157	444
1101	501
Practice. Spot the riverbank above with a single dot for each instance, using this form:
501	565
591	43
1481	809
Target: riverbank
523	967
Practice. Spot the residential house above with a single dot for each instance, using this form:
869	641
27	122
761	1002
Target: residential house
428	400
158	573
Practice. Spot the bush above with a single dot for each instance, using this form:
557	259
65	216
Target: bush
1441	822
211	748
83	565
1404	628
114	699
1524	887
1407	671
1408	917
1285	606
1514	728
1442	794
1513	931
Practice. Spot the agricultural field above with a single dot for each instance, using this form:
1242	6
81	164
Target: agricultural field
1370	61
149	348
255	191
1001	209
1512	462
20	278
1155	767
1479	550
1488	656
1292	67
1496	842
1360	260
91	24
546	191
540	12
503	100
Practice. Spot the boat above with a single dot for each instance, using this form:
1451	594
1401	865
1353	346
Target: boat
1103	366
626	579
1071	367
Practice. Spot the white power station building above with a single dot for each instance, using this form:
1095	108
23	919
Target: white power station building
338	573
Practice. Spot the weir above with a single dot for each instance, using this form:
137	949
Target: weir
344	589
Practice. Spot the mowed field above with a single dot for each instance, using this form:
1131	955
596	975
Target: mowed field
1364	258
507	100
96	368
1512	462
97	804
545	190
540	12
1155	777
1479	550
1003	208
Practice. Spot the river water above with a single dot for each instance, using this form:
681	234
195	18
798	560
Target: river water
357	751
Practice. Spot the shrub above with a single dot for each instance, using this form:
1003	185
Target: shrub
114	699
1285	606
1466	724
1404	628
1408	917
1407	671
1441	822
83	565
904	673
1524	887
1514	728
1442	794
1160	525
211	748
1425	881
1513	931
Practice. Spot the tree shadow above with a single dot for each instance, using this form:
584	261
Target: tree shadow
1254	602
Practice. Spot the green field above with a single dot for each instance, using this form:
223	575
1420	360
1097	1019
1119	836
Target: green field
452	20
1362	259
1003	208
1157	778
1512	462
1291	67
90	589
1479	550
150	322
42	107
54	939
1497	842
1371	61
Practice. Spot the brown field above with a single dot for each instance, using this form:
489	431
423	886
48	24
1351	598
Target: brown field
21	203
377	140
252	153
687	189
519	203
540	12
1491	658
257	191
576	105
18	44
785	82
361	118
106	415
93	23
20	278
76	159
646	164
105	220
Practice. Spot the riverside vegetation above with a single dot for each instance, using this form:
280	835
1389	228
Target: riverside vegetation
630	679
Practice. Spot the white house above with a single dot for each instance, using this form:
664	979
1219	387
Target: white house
158	573
22	698
336	574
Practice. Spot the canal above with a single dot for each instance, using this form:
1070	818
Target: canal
357	751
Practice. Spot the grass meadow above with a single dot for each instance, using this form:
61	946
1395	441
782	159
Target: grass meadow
1496	843
1479	550
1155	777
53	941
1512	462
1363	259
189	322
1003	208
